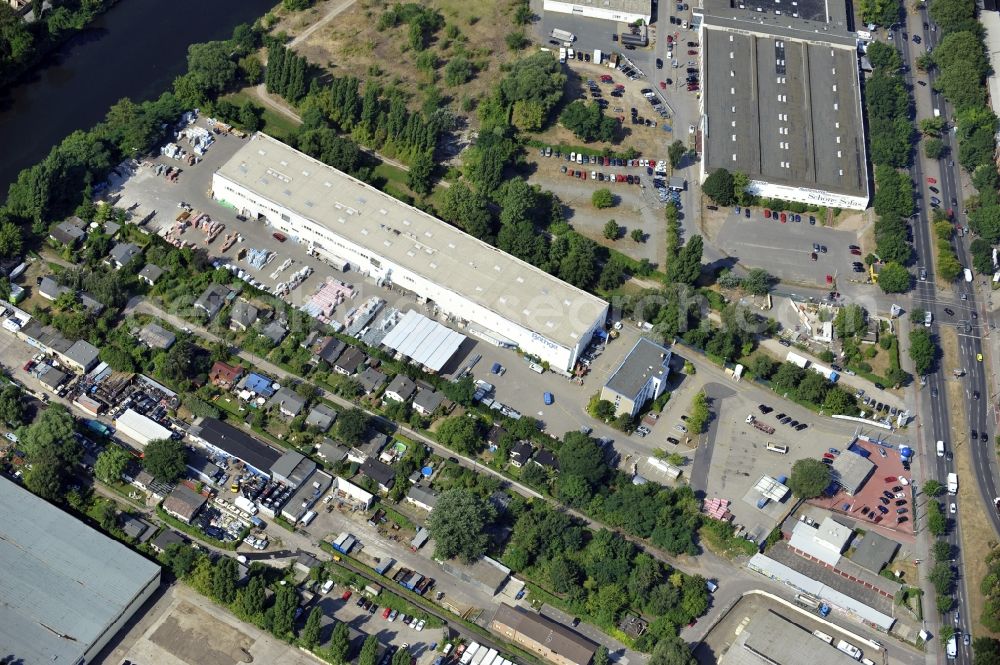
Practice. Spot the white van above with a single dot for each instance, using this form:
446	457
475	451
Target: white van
928	318
307	518
940	448
327	586
535	367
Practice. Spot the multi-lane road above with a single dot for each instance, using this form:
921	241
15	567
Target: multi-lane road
969	413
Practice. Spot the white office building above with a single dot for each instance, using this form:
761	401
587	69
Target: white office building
342	218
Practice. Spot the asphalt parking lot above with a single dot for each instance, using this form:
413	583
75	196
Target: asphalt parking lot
785	250
736	456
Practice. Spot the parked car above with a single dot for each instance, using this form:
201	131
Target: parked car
547	398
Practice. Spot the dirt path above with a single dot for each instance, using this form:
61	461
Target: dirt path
334	11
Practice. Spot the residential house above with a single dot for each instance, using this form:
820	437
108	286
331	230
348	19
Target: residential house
69	231
520	453
350	361
428	401
274	331
150	273
546	459
422	497
91	304
50	289
328	349
641	377
288	402
165	539
400	389
494	435
321	417
183	503
156	336
212	300
242	315
122	254
371	380
331	452
373	444
255	385
224	375
382	474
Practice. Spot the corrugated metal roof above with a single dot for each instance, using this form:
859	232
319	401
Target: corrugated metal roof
60	578
141	428
424	341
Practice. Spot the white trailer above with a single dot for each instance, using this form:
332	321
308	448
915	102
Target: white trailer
563	35
952	483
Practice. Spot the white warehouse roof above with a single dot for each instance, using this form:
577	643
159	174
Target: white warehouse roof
424	341
137	426
410	238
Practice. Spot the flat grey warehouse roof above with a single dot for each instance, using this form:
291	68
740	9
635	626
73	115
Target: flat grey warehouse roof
811	20
787	110
63	584
414	240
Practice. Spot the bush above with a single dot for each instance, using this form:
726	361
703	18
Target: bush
719	187
602	198
588	122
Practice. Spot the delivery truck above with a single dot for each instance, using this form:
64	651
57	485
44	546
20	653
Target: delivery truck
952	483
246	505
563	35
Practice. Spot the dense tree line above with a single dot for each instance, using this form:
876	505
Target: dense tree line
22	43
601	575
287	73
805	385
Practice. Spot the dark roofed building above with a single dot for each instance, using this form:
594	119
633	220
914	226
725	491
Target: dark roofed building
274	331
321	417
91	304
373	444
165	539
212	299
329	349
150	273
350	361
235	443
542	636
494	435
183	503
873	551
82	355
641	377
546	458
331	452
428	401
242	315
400	389
371	380
156	336
69	231
123	253
51	289
520	453
288	402
293	469
382	474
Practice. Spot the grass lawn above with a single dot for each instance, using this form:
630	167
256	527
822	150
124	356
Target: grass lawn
277	125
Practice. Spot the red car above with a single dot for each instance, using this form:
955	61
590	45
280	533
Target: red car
856	252
280	237
692	53
663	85
767	213
28	365
347	595
784	218
932	181
890	479
827	455
386	612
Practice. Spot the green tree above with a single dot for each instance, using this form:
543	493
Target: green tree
310	634
461	433
676	153
458	71
850	321
180	558
809	478
700	413
922	350
51	449
719	187
580	456
340	644
210	64
934	148
937	524
685	266
224	574
281	615
11	406
894	278
10	240
602	198
942	550
932	488
401	657
942	576
420	176
352	426
369	651
637	235
111	464
757	282
588	122
671	650
762	366
458	525
612	230
601	656
165	459
987	651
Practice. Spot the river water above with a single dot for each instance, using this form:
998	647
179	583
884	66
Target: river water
134	50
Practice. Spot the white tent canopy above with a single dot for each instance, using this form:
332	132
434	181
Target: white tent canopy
423	341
